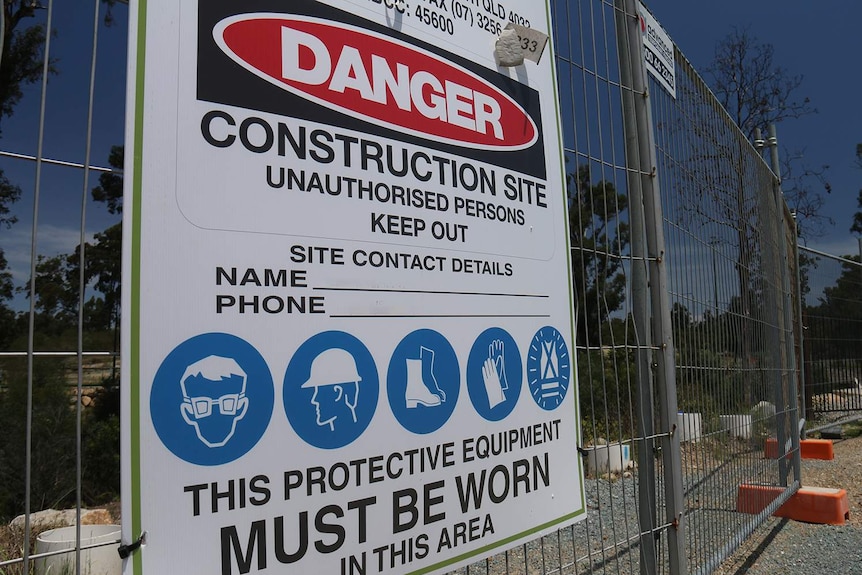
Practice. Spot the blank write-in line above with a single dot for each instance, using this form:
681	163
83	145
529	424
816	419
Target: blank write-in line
417	291
472	315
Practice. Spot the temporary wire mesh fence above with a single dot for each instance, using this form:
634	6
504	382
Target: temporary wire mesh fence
732	312
58	392
832	320
710	262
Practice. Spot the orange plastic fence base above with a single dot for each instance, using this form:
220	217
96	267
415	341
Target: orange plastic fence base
809	504
808	449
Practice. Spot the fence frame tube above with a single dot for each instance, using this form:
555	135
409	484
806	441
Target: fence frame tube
664	361
640	304
787	317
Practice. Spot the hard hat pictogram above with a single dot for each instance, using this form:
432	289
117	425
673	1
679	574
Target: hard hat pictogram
333	366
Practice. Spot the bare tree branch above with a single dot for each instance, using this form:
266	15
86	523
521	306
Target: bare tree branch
752	88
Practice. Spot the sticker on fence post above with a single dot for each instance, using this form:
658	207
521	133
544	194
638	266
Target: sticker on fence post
658	51
347	323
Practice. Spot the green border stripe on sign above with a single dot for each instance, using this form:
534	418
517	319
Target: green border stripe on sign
553	55
135	363
497	544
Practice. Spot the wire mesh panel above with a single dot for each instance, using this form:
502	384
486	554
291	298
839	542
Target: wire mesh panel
832	320
62	95
731	309
731	303
624	525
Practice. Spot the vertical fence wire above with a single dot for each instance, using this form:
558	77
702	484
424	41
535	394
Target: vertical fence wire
42	372
31	329
82	284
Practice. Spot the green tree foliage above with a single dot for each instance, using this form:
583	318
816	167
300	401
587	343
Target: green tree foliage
104	255
856	228
598	234
21	63
53	437
58	277
110	188
9	194
101	445
56	301
23	53
104	268
56	291
834	323
607	384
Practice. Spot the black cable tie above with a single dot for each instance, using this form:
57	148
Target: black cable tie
126	550
583	451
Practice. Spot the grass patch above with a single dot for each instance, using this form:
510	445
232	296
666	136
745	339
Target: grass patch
853	429
12	547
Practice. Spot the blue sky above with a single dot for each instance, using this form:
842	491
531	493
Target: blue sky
65	133
817	40
820	41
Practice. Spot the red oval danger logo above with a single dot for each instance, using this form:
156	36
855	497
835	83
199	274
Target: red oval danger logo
376	78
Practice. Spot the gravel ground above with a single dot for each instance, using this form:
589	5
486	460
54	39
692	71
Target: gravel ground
788	547
779	547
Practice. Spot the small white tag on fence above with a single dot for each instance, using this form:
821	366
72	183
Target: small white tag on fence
532	41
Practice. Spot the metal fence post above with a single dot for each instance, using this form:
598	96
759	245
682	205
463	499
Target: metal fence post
772	312
800	364
786	319
640	306
664	362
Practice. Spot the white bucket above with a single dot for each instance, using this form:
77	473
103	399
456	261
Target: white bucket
736	425
98	561
612	458
689	425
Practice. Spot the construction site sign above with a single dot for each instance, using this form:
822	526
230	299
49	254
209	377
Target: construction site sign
347	316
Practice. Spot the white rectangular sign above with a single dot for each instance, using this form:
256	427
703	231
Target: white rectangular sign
347	321
658	51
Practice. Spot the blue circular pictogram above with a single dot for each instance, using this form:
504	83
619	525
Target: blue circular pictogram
331	388
494	374
549	368
423	381
212	398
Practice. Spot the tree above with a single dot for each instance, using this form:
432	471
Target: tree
52	436
856	228
110	188
833	329
754	90
9	194
103	256
757	92
56	289
598	234
23	53
21	63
